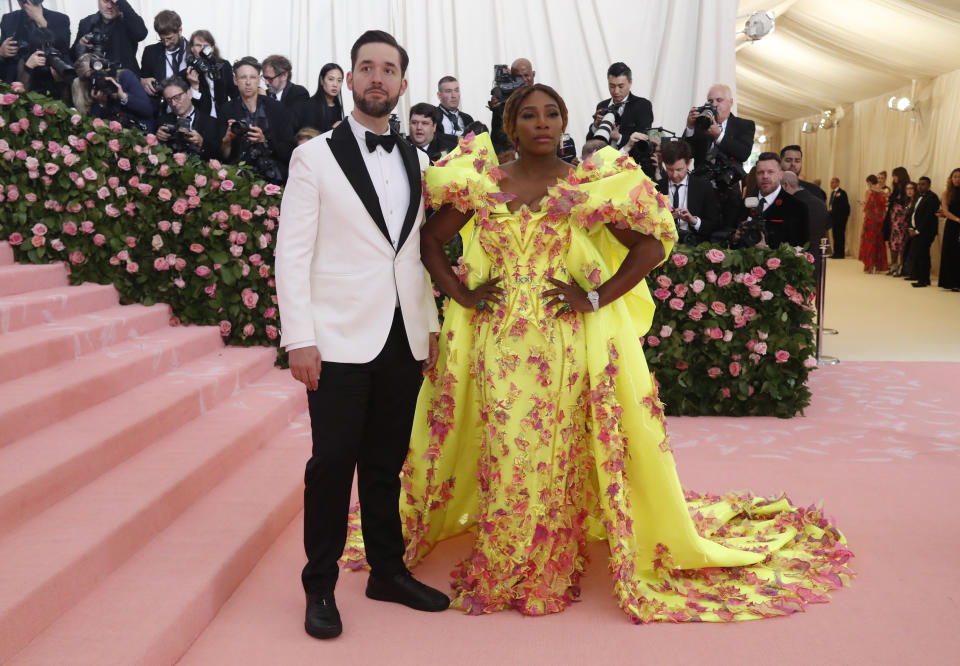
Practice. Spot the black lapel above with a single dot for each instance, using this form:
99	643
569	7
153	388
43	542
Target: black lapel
344	147
412	164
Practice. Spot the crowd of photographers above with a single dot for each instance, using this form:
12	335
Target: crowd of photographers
252	112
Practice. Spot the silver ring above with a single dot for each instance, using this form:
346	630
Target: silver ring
562	297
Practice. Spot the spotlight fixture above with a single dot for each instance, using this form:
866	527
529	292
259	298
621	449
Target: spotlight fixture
904	104
809	128
892	102
759	25
762	139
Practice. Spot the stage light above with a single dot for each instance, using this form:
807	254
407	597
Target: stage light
904	104
762	139
759	25
892	102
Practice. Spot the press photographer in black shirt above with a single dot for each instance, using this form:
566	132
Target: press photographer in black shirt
521	74
186	129
113	33
693	202
256	129
35	49
210	76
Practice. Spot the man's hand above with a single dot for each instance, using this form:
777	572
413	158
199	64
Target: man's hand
305	366
256	135
493	103
9	48
430	362
193	78
150	85
634	138
614	135
686	216
193	136
714	130
35	12
163	134
692	117
36	59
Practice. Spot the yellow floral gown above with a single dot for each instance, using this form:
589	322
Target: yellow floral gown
539	432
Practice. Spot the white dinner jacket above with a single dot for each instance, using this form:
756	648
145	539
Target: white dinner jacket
338	276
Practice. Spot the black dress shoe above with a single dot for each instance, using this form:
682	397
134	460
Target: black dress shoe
323	618
920	284
404	589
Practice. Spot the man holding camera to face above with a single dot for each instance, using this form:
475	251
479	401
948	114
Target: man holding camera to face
112	33
34	48
692	199
186	129
721	143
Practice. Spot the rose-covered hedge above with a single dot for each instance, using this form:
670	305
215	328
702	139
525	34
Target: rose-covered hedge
733	333
122	209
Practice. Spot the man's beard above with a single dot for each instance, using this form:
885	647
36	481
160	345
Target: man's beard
375	109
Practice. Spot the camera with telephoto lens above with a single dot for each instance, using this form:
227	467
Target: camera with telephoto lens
97	41
722	171
102	69
505	82
607	123
55	58
204	63
706	116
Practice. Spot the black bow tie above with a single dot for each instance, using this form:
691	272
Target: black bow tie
386	140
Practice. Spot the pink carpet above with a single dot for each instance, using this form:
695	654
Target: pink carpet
879	446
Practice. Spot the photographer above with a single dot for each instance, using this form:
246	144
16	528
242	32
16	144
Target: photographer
210	76
424	134
112	94
721	143
186	129
256	129
623	119
693	202
112	33
505	81
277	71
34	46
166	58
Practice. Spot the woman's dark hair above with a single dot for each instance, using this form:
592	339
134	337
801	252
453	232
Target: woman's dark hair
900	179
207	36
326	69
951	190
512	108
873	180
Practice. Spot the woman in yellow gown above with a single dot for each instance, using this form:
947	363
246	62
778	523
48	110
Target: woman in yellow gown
540	427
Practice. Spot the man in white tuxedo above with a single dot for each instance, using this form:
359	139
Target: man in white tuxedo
358	320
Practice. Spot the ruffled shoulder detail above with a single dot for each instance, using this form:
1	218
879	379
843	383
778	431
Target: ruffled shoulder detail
467	177
609	188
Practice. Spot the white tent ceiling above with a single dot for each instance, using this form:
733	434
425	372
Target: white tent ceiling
825	53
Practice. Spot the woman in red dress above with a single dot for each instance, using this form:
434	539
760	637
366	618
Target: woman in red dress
873	251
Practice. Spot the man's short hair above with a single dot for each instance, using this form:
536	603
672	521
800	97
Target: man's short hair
279	64
783	151
590	147
769	156
446	79
620	69
166	22
248	61
175	80
424	109
379	36
924	179
675	150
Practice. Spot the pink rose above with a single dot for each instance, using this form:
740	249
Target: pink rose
255	191
246	215
124	164
57	244
202	271
152	140
115	126
273	211
714	372
196	248
39	229
810	362
204	231
653	341
227	186
734	369
718	307
725	278
748	280
164	194
711	277
760	348
123	255
695	314
133	267
75	119
225	327
264	271
256	259
676	304
236	250
103	192
164	170
248	330
99	239
250	298
39	241
180	207
664	281
70	228
215	164
86	227
680	290
271	332
773	263
180	284
200	181
71	159
113	145
697	286
714	333
679	260
160	264
757	272
37	110
180	264
665	331
782	356
211	290
50	169
163	225
145	189
270	313
180	158
77	257
662	294
15	239
272	189
715	256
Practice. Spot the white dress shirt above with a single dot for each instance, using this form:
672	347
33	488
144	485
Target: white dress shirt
447	124
684	188
389	178
770	198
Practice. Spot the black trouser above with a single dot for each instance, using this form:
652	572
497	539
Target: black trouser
361	415
920	257
840	237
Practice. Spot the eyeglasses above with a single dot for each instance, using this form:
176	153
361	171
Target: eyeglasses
175	99
271	79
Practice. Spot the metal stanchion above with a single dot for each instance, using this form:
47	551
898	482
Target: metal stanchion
821	302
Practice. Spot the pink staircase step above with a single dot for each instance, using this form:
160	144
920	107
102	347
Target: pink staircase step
20	278
78	449
30	403
51	561
42	346
152	608
6	254
37	307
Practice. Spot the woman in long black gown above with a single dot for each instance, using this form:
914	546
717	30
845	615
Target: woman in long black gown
950	249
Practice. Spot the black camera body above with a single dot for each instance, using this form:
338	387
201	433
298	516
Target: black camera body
181	125
205	63
97	40
240	128
505	82
102	70
567	149
722	171
706	116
